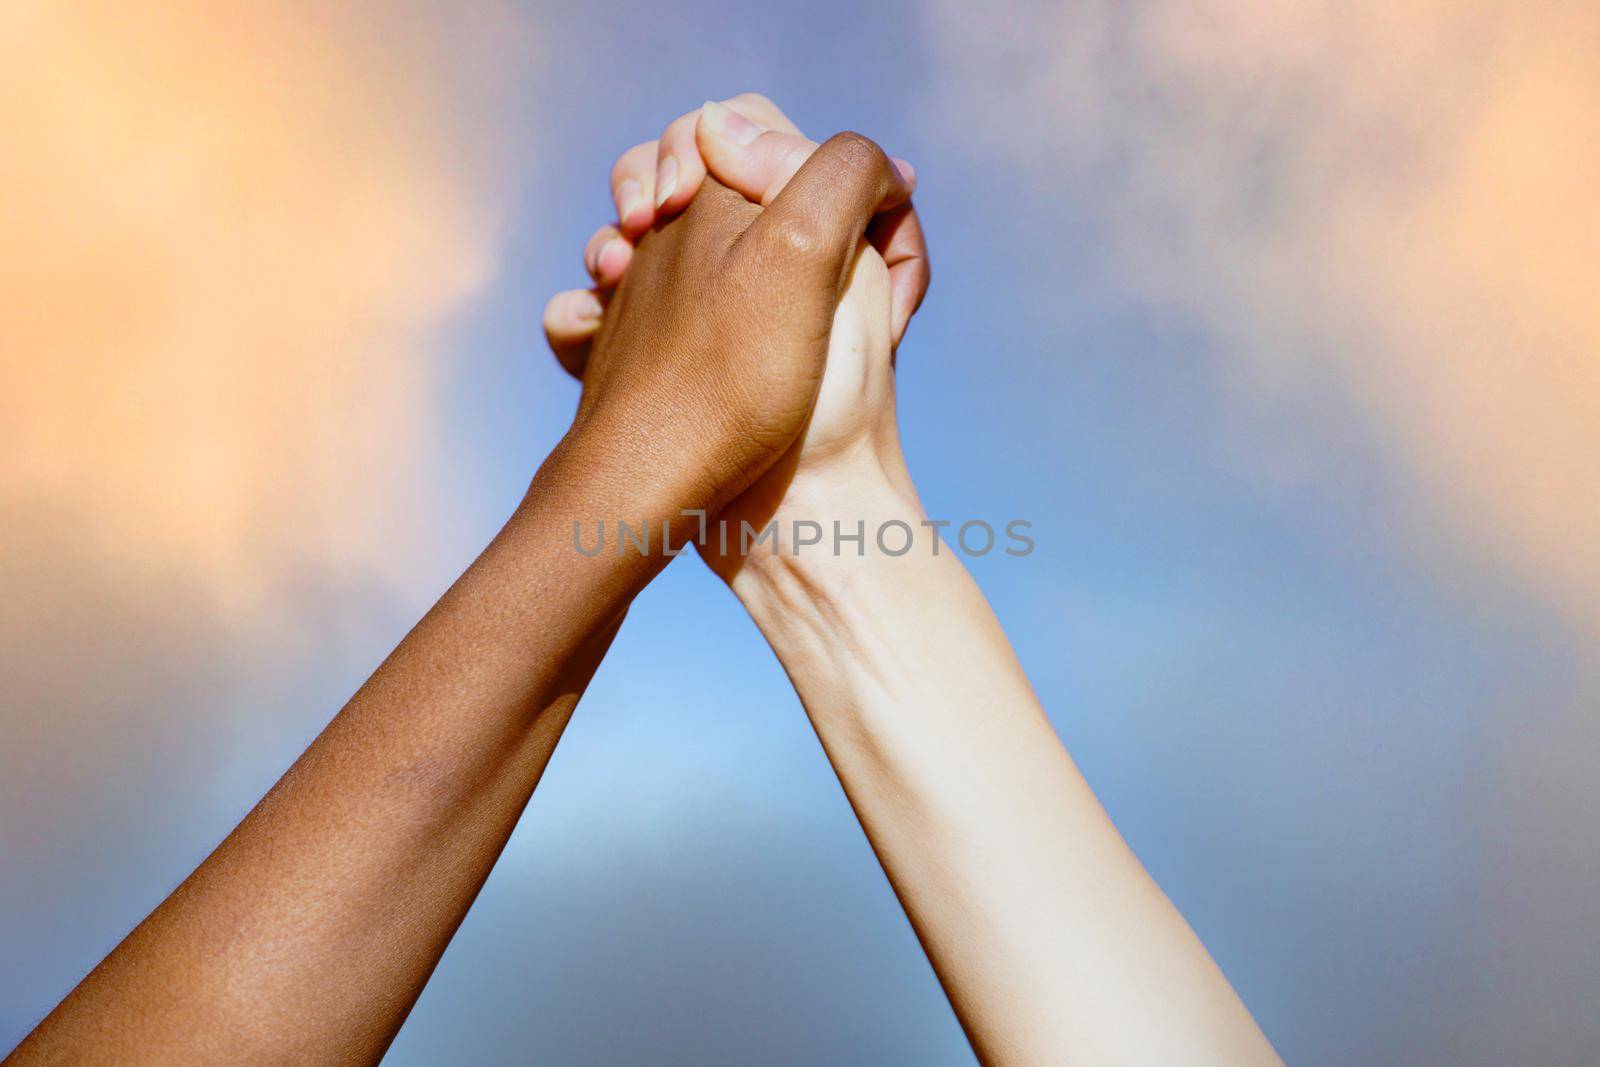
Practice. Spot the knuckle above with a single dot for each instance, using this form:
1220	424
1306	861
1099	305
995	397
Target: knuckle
922	273
680	129
551	319
794	154
858	154
798	236
756	99
630	161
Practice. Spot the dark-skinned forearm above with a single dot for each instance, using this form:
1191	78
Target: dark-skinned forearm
311	930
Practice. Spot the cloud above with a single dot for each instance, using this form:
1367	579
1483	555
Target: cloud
1381	217
1396	196
230	230
230	233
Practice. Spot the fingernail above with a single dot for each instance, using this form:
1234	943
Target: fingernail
907	172
586	308
631	195
666	179
600	257
728	123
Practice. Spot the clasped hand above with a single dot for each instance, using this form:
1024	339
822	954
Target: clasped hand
740	332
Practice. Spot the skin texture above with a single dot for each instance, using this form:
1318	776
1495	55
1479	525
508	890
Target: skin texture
310	931
1050	939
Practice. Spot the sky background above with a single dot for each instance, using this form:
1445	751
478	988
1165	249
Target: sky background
1280	322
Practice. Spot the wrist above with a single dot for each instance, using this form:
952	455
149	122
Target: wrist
570	516
832	525
598	477
831	610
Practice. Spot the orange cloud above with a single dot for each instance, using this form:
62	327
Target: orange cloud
1400	194
229	230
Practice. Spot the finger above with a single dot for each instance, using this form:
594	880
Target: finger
756	162
807	237
679	168
571	319
666	190
606	256
762	111
897	235
633	182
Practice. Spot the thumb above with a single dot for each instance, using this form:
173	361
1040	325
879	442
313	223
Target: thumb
813	224
752	159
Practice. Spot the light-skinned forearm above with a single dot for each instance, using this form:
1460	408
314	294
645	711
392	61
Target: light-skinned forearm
1050	939
310	931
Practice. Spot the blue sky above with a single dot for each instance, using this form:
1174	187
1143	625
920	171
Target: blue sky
1298	649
